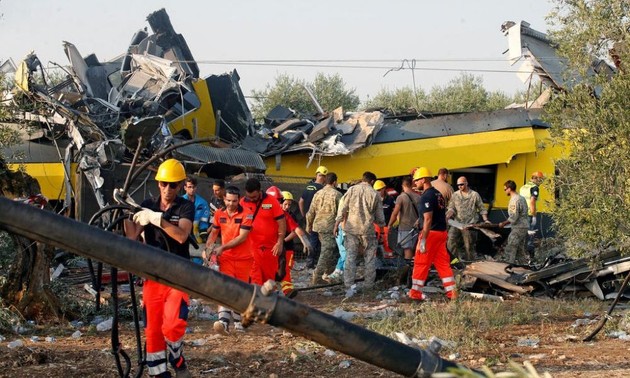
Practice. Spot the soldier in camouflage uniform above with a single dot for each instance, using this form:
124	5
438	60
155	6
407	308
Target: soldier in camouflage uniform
465	207
367	210
321	219
517	217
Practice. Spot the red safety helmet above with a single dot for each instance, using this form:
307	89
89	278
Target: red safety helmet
275	192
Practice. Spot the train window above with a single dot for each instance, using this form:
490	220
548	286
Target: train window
480	179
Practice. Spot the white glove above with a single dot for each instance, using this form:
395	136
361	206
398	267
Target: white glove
146	216
534	221
423	245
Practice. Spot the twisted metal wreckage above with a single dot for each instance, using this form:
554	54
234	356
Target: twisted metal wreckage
153	91
152	100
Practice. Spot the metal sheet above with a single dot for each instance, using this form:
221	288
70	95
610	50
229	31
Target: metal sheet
249	161
460	124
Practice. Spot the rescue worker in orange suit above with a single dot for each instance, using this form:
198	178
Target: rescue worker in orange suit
234	255
286	261
165	308
268	231
431	247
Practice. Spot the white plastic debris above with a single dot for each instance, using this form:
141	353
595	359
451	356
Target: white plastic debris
345	364
617	334
76	334
403	338
57	272
50	339
329	353
34	339
453	356
327	293
582	322
2	338
528	342
198	342
105	325
343	315
15	344
539	356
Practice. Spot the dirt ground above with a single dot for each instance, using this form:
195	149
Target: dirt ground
265	351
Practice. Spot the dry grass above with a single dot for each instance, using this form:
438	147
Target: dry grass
464	321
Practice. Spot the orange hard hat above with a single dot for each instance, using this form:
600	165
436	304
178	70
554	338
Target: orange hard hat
538	174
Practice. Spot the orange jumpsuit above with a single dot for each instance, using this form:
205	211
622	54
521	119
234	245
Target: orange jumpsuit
165	308
263	237
436	252
234	262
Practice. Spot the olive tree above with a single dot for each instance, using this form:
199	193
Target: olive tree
592	118
329	90
465	93
402	100
27	284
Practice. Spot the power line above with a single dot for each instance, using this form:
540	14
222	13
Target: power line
304	65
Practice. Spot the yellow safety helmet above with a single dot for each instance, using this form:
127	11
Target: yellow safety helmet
171	170
421	172
379	184
287	195
321	170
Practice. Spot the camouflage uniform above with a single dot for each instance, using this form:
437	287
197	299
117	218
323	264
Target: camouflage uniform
367	209
517	216
465	208
321	219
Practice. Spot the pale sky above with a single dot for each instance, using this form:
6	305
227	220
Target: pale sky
459	35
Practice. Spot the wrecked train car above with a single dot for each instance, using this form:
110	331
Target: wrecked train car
84	129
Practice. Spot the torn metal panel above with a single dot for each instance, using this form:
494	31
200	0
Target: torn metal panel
460	124
538	55
246	160
566	267
78	66
279	114
236	120
320	130
494	272
173	46
289	125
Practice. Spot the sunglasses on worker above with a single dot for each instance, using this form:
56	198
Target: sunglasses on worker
172	185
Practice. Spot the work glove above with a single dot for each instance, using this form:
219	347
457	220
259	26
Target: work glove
146	216
423	245
533	221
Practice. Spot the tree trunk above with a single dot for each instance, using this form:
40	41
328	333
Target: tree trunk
27	285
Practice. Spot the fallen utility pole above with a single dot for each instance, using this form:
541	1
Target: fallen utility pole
169	269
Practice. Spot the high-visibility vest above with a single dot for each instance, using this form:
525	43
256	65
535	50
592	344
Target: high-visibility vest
526	192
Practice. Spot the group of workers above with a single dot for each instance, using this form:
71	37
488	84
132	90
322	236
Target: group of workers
249	235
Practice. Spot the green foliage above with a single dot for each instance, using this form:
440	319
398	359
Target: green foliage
398	101
594	208
329	90
465	93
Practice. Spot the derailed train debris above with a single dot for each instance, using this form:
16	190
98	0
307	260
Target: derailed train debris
92	119
559	276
